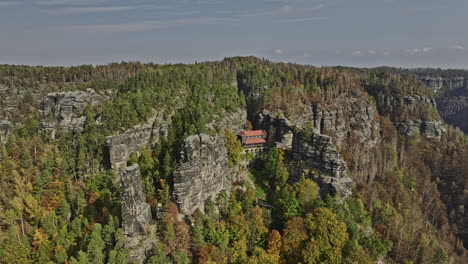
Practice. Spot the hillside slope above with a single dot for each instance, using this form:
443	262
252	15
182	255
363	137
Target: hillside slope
140	163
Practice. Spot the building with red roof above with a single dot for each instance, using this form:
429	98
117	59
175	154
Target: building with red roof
253	138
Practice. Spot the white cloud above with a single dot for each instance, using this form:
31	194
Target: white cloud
458	47
72	2
283	11
137	26
419	50
286	9
357	53
7	4
279	52
80	10
299	20
372	52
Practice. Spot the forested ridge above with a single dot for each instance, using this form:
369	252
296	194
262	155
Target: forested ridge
61	203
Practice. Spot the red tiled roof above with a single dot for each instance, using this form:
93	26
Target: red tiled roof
252	133
254	141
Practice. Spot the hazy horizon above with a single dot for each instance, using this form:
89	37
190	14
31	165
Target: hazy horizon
366	33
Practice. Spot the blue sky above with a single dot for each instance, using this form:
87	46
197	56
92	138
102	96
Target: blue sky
406	33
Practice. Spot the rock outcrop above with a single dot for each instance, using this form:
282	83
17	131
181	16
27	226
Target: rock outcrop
278	127
351	121
453	108
5	130
317	158
202	174
63	109
428	129
437	83
136	214
234	121
412	114
119	147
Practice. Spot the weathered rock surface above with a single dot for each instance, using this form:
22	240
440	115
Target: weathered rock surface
278	127
202	174
5	130
437	83
63	109
453	108
429	129
234	121
119	147
136	214
351	121
412	114
317	158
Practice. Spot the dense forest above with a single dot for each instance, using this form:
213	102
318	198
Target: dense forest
62	203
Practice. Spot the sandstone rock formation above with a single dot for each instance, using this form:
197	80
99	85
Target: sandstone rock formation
412	114
136	214
119	147
317	158
5	130
278	127
63	109
352	123
203	172
453	108
437	83
234	121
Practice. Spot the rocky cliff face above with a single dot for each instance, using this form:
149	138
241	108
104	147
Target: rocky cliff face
278	127
136	214
5	130
63	109
453	107
317	158
234	121
352	123
412	114
437	83
202	174
452	99
119	147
